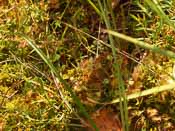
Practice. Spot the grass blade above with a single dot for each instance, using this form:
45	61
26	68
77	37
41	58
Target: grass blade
156	7
142	44
147	92
56	72
136	95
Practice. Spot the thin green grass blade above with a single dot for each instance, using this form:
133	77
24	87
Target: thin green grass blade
153	4
94	6
122	97
136	95
56	72
117	72
151	91
142	44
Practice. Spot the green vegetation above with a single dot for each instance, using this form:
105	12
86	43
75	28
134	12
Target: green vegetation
64	62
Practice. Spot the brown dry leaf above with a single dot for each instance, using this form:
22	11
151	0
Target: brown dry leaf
3	2
106	120
94	72
136	84
53	4
115	3
137	73
2	124
23	44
